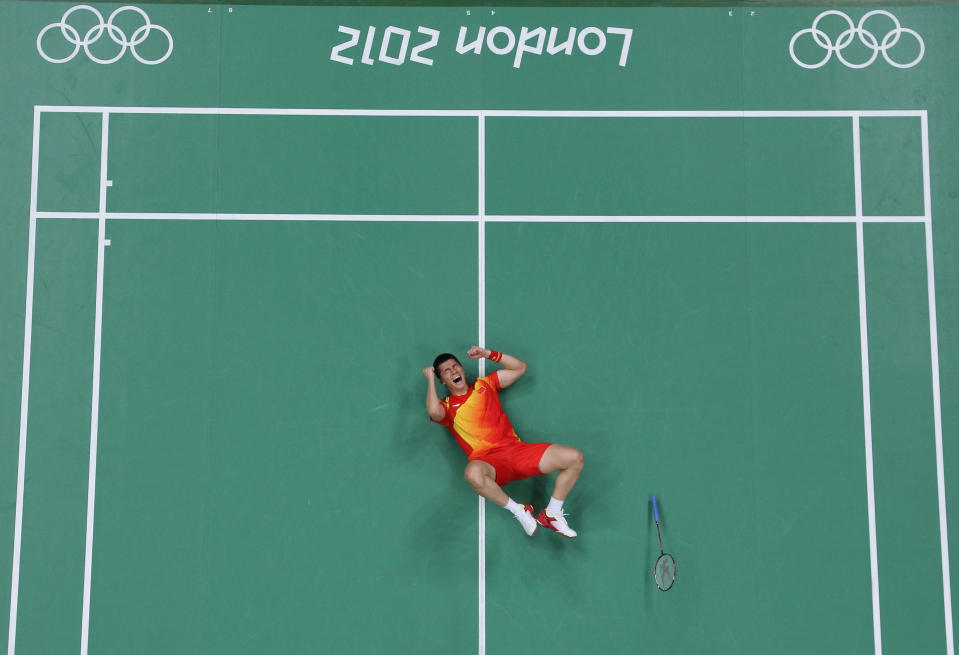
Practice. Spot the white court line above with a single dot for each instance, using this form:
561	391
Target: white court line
841	113
261	111
25	388
446	218
500	113
194	216
866	393
703	219
462	218
936	396
95	403
867	421
481	239
857	167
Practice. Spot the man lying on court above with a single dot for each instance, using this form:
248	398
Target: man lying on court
496	454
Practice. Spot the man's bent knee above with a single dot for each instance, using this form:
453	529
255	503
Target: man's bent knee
572	459
579	461
475	474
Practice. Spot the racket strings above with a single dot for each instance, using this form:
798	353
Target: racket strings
664	571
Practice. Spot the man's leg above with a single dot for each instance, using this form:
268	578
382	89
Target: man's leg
568	461
482	477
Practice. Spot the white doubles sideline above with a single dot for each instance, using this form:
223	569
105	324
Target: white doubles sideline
102	216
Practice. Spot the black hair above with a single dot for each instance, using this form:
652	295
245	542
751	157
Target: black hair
442	358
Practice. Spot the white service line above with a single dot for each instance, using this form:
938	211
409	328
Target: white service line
70	215
936	395
400	218
259	111
708	113
95	403
464	218
25	388
702	219
197	216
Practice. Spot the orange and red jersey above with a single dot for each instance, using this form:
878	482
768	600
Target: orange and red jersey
477	419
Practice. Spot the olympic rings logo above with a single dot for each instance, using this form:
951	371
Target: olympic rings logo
867	38
116	35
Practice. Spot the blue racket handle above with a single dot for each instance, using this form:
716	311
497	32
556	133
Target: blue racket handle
655	509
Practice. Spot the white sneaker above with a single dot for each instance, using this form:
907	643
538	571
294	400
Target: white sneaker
526	520
557	523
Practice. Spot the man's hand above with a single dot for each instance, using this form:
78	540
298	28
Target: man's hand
513	368
433	405
475	352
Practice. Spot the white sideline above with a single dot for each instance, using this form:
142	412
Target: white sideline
936	395
95	402
25	388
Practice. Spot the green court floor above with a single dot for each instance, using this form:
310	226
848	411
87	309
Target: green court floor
231	294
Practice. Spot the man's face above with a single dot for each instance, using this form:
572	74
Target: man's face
452	375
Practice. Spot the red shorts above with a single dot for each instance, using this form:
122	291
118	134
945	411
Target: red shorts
514	462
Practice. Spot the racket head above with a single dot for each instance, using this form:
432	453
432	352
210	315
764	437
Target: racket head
664	571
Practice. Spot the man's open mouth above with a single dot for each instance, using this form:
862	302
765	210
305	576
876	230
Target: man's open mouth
458	379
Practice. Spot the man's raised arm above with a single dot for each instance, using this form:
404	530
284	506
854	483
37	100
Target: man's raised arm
513	367
433	405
